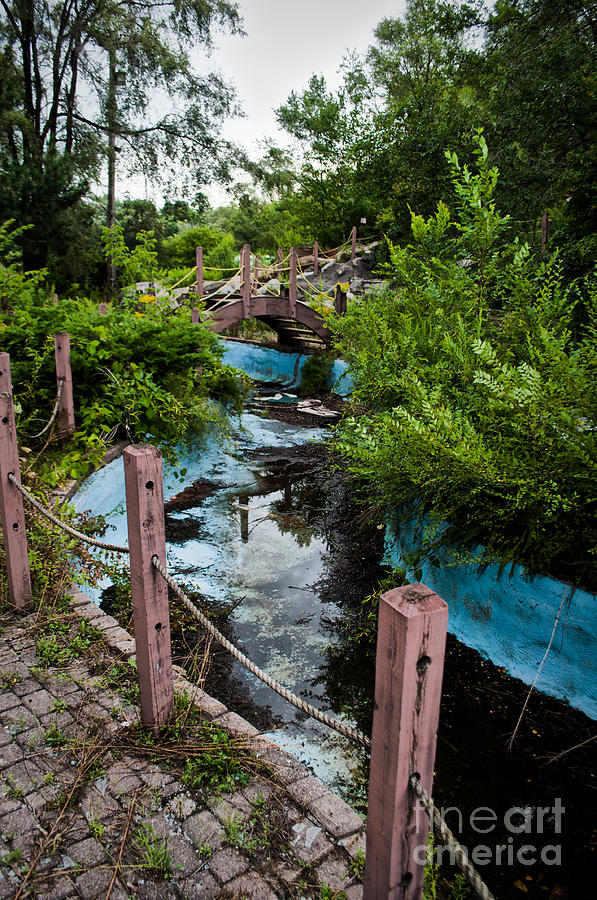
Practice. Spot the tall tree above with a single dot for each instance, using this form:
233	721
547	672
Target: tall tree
72	72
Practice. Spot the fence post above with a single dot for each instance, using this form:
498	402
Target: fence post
103	309
280	258
66	412
353	248
408	678
246	285
316	258
256	272
194	316
292	283
11	501
340	304
149	591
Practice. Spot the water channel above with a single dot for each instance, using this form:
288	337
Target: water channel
272	538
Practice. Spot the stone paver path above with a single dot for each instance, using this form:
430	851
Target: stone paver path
89	809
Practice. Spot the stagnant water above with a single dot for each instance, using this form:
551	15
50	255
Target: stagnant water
276	541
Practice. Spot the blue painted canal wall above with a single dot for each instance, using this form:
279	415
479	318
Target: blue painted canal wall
509	619
268	364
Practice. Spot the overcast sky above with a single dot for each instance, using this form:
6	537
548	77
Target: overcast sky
285	43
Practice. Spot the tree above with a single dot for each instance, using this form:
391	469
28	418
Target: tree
72	73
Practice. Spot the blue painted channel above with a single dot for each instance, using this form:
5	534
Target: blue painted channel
511	618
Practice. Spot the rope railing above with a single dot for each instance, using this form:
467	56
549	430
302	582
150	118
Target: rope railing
34	437
47	514
441	829
341	727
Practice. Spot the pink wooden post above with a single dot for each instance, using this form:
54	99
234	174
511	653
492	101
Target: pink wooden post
316	258
66	412
11	501
408	679
246	287
194	316
256	273
292	284
353	248
199	259
149	591
280	258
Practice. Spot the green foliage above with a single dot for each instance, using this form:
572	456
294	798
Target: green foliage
481	394
316	374
132	265
215	767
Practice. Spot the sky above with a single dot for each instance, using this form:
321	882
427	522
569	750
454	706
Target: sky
285	43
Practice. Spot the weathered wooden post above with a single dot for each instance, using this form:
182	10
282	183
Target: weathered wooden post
246	276
340	304
292	284
194	316
149	591
103	309
316	258
11	501
353	248
199	260
408	679
66	411
280	259
256	273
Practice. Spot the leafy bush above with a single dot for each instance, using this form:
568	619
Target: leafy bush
481	393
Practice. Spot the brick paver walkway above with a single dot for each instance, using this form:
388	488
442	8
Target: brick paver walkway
84	812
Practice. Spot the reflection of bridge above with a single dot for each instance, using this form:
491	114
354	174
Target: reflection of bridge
286	311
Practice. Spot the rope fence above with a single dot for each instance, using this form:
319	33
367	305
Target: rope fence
34	437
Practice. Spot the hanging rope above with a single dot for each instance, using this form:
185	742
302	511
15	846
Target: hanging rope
44	511
441	829
346	730
33	437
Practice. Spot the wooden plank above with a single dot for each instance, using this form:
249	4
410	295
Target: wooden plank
12	513
292	283
66	410
353	247
246	280
408	678
145	518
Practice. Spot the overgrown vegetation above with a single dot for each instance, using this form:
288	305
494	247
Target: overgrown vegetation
477	367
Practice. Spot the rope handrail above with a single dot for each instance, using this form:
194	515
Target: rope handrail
440	828
184	278
346	730
34	437
215	293
94	542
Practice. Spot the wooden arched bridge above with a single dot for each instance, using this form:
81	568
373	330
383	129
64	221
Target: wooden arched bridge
286	311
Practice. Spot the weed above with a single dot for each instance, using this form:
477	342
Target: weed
253	834
50	653
152	851
357	865
58	706
11	858
10	678
96	828
204	850
12	791
17	726
328	893
217	767
54	736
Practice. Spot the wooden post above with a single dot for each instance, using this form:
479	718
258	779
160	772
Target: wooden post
408	678
244	521
280	258
103	309
544	230
11	501
353	248
256	273
66	412
340	304
316	258
194	316
246	275
149	591
199	259
292	284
